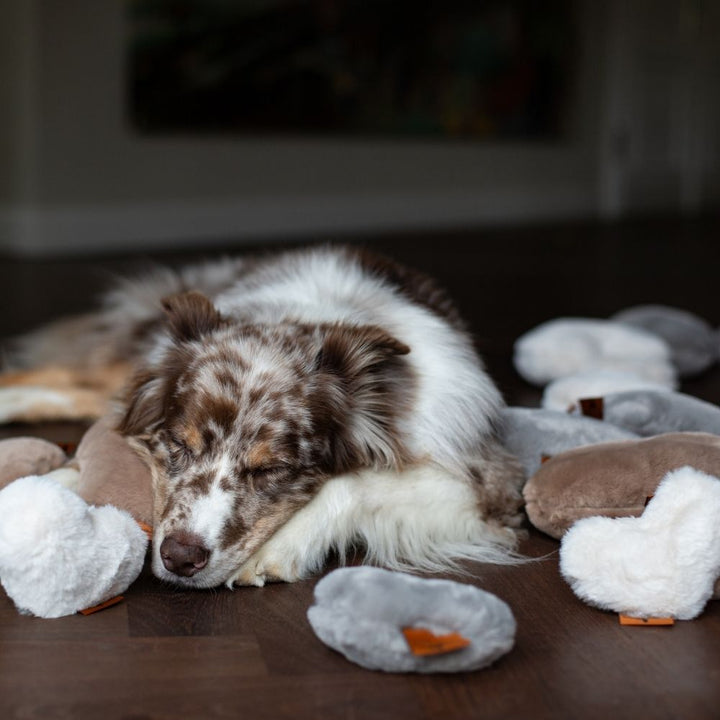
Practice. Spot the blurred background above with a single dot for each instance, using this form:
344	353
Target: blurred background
154	124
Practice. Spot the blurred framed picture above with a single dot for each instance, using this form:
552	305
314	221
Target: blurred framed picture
453	69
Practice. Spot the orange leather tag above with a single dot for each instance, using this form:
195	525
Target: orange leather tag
147	529
424	642
102	606
645	622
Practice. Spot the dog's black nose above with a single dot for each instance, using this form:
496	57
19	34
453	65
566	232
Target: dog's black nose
184	554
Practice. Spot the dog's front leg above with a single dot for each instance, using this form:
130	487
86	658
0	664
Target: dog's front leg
421	517
299	548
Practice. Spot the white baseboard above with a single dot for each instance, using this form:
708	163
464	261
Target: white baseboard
68	230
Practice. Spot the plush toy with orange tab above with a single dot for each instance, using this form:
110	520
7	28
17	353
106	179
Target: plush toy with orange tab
395	622
73	532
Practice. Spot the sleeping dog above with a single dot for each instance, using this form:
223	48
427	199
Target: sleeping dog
302	403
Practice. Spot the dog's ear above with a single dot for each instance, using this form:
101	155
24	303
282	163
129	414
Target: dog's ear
190	315
144	406
350	351
363	384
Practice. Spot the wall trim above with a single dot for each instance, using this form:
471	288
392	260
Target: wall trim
71	230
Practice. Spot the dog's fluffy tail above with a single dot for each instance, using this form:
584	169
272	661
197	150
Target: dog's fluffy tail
129	313
84	341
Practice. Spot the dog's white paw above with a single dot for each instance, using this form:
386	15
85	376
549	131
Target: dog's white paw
246	576
268	564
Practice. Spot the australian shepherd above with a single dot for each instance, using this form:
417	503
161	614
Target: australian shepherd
298	404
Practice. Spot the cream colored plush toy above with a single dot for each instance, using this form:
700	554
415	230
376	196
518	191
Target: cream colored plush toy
662	564
73	533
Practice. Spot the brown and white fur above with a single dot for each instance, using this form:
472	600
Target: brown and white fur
310	401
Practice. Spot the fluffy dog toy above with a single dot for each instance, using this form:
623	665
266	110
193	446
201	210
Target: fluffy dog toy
565	393
533	434
71	538
395	622
620	551
662	564
647	413
566	346
24	456
693	342
646	347
613	479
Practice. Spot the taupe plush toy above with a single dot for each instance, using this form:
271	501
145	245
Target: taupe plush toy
613	479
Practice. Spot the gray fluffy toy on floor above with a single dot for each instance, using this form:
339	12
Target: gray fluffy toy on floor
361	613
649	413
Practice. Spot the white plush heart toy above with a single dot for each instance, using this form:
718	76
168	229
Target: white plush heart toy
59	555
661	564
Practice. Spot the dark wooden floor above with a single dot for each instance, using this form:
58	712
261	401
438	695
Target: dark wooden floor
250	653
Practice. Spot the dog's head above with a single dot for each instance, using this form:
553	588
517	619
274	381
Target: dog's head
243	423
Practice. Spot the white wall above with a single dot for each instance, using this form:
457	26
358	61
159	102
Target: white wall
74	176
661	105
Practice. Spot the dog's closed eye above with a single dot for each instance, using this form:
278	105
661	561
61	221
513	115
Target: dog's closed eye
270	478
266	471
180	453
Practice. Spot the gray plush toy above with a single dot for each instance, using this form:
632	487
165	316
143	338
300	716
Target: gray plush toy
531	433
391	621
649	413
693	342
646	347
